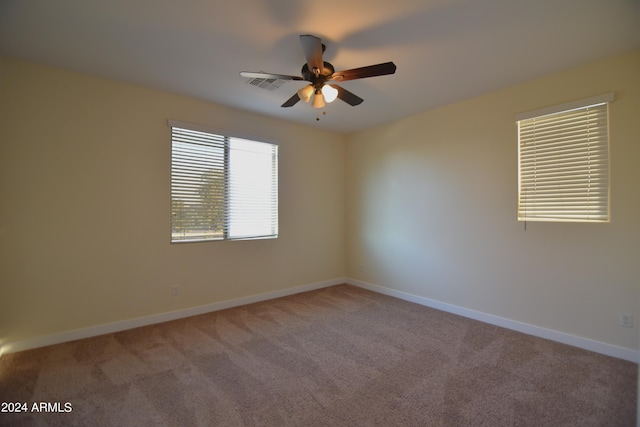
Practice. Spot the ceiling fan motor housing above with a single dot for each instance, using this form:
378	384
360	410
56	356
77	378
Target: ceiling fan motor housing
322	76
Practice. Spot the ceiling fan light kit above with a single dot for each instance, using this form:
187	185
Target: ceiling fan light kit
330	93
318	99
320	73
305	93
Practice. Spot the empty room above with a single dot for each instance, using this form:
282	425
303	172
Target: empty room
297	213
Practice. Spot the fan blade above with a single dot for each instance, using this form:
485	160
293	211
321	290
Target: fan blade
312	47
291	101
252	75
363	72
348	97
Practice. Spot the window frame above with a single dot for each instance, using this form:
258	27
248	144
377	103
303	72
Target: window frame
225	141
568	212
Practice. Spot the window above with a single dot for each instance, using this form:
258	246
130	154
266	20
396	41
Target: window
222	187
564	162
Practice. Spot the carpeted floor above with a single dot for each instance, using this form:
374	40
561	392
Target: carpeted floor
340	356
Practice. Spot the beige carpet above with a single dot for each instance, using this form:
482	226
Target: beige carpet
339	356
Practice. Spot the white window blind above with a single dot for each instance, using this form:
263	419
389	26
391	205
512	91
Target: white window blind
564	163
222	187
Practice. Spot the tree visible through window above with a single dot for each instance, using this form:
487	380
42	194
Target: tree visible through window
222	187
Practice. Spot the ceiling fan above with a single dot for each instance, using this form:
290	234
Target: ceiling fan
322	76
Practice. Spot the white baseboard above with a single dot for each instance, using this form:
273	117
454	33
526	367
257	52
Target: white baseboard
76	334
108	328
575	341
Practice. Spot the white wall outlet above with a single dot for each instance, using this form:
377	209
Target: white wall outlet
626	320
175	290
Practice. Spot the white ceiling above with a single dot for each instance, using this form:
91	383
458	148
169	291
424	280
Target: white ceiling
445	50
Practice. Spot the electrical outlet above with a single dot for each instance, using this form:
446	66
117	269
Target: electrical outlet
175	290
626	320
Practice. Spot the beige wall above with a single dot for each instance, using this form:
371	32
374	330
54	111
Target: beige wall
84	214
431	210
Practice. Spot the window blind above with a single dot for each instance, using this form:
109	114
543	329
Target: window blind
222	187
253	190
564	165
